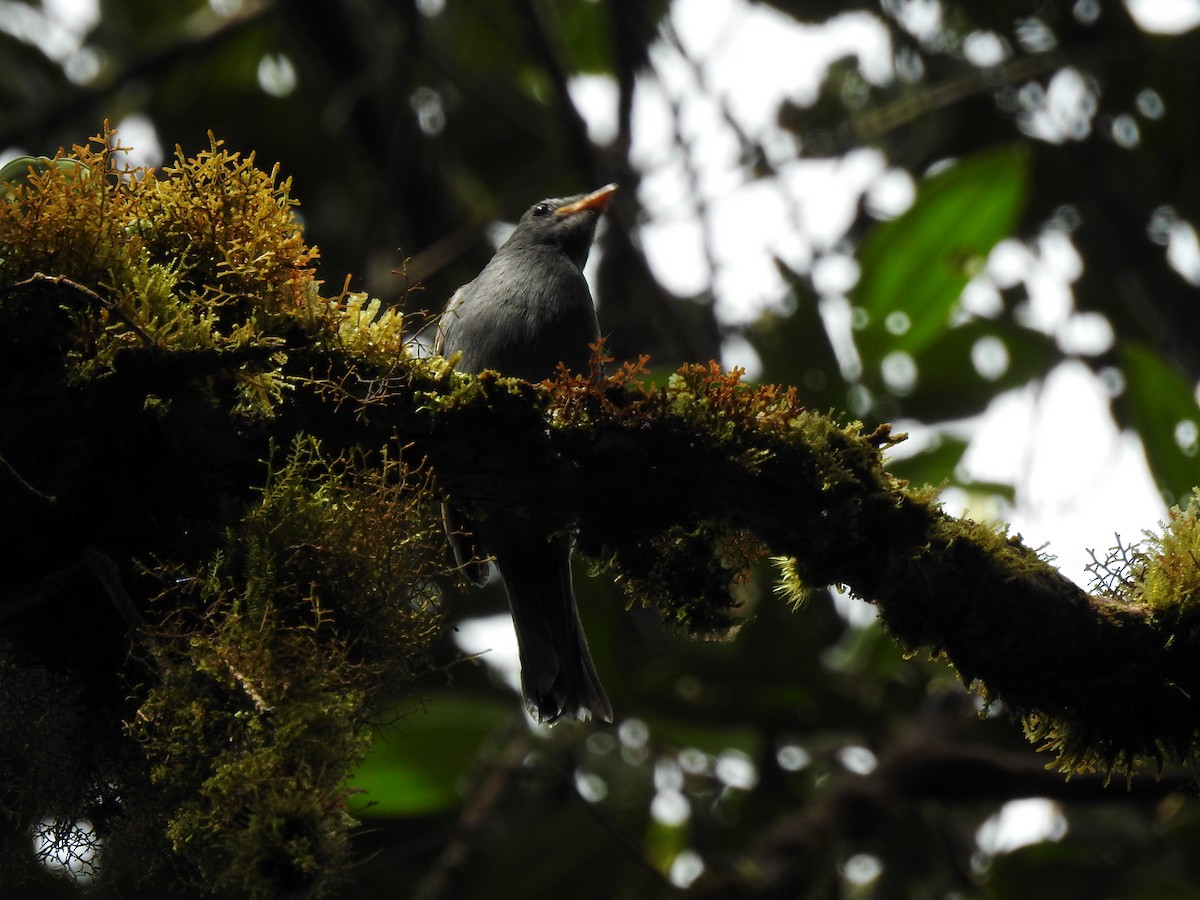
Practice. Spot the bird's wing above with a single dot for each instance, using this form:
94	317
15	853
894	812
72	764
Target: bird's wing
461	533
452	305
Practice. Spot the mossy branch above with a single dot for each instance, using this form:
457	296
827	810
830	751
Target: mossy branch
659	482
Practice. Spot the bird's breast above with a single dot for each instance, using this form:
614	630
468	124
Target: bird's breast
522	316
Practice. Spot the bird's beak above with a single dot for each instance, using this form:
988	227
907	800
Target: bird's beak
596	200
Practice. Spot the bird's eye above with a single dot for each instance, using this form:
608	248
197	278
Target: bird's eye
543	209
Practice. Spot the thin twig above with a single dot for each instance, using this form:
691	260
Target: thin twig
91	295
259	703
49	498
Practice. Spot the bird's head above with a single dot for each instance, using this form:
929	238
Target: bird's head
568	223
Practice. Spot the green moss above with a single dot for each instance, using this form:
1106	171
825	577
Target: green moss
791	586
1168	581
316	609
159	330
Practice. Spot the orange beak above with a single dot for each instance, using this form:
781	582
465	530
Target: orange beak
596	200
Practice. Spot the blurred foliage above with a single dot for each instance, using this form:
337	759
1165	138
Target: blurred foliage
915	267
414	126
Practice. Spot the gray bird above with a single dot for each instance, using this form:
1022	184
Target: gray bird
528	310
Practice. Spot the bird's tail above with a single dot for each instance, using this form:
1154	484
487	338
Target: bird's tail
558	676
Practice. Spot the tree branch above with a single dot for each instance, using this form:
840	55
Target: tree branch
1100	681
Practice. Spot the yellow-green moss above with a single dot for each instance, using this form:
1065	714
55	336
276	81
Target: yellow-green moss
1169	581
317	608
154	327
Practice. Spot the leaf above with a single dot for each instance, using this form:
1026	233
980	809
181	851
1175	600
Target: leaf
1163	410
914	268
415	768
948	384
796	349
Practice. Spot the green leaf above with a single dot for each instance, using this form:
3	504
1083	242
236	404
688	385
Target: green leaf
17	171
415	767
914	268
1163	409
948	384
796	349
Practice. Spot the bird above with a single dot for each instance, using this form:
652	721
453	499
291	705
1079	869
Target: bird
528	310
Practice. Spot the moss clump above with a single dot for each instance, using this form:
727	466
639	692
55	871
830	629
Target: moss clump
219	630
1164	571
